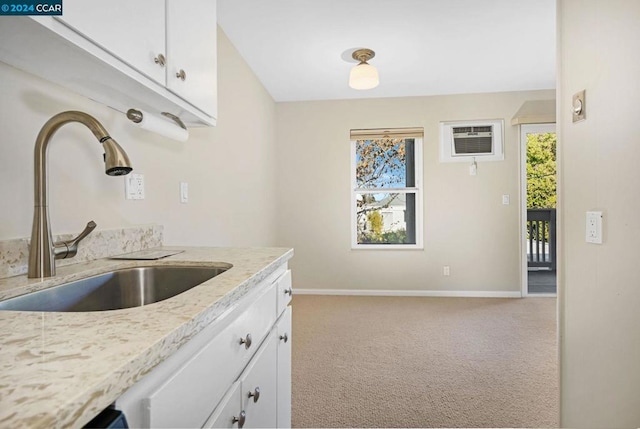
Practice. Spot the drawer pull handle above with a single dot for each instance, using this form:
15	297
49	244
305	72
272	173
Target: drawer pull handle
181	75
284	337
246	341
288	292
160	60
240	419
255	394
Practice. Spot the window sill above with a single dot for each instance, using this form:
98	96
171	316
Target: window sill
387	247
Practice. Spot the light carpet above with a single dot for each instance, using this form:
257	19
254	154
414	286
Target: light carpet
424	362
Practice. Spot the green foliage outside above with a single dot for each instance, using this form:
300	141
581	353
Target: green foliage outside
389	237
541	175
541	170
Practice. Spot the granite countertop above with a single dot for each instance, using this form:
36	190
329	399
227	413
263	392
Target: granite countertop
62	369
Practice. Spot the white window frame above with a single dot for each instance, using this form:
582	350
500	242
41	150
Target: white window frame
417	190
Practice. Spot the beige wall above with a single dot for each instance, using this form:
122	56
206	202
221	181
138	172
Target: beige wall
230	168
600	293
465	224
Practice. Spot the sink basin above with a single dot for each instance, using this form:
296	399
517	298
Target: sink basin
126	288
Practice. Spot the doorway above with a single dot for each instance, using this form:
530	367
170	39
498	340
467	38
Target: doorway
538	209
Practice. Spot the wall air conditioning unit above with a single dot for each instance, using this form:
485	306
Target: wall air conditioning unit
464	141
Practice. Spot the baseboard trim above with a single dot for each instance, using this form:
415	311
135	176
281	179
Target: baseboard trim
427	293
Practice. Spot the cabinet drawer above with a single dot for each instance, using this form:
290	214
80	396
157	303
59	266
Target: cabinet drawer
284	291
187	398
229	411
260	376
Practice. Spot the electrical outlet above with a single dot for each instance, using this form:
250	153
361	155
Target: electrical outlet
446	270
594	227
134	186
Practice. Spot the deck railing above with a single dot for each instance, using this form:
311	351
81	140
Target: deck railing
541	238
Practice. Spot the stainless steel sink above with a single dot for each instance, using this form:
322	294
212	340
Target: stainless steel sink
126	288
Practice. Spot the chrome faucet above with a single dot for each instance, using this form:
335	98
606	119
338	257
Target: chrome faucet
43	252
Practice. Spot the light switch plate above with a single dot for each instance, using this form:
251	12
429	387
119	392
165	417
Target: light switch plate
506	200
184	192
594	227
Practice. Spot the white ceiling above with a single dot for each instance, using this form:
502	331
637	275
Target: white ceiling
301	49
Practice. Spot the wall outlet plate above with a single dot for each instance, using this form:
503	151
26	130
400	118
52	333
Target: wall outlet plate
134	186
594	227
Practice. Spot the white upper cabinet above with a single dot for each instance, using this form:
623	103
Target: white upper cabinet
191	52
133	31
154	55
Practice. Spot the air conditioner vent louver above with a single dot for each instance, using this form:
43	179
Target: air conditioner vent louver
466	146
471	140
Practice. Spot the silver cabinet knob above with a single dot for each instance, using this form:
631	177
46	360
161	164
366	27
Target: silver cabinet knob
255	394
160	60
288	291
181	75
284	337
246	341
240	419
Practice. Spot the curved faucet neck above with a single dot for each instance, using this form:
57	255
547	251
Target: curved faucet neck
42	252
42	142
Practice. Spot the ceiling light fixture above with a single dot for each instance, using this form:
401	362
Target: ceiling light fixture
363	75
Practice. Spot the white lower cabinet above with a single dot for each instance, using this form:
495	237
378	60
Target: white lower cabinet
255	403
261	398
229	413
236	373
283	328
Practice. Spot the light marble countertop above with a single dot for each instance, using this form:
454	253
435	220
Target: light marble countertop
62	369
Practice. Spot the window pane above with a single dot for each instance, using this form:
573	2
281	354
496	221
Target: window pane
386	218
385	163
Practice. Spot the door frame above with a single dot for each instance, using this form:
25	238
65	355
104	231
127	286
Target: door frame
524	130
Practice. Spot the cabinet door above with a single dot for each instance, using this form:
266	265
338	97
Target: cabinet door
187	397
228	414
191	52
284	369
133	31
259	386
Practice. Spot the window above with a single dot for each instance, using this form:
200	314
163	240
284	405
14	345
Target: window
386	182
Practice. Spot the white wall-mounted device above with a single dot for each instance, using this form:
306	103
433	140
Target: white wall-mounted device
184	192
134	186
579	106
594	227
466	141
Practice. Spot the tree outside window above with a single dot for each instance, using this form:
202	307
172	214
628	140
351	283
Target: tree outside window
385	193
